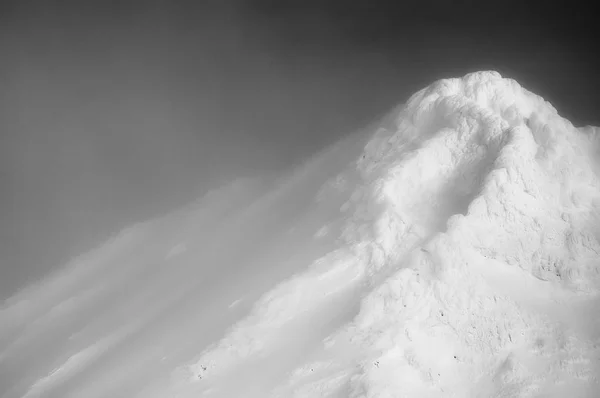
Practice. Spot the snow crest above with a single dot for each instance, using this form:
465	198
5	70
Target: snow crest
468	257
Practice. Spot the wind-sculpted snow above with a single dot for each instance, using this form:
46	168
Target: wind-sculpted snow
468	256
116	321
453	253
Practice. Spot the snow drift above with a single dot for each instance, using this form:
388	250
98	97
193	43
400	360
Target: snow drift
472	230
458	255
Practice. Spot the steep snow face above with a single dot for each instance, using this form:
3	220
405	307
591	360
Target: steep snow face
467	264
454	253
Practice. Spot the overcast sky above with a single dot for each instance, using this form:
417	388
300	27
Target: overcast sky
117	113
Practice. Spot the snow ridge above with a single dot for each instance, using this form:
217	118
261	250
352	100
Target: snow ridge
468	255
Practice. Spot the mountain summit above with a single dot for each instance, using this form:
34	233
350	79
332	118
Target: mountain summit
452	252
469	239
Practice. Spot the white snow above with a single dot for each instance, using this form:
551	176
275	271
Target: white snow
457	256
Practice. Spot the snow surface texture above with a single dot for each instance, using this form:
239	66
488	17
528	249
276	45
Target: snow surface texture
469	249
454	253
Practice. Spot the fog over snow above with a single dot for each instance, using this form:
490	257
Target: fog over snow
451	249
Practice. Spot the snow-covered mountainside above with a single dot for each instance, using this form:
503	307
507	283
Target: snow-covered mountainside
470	232
455	252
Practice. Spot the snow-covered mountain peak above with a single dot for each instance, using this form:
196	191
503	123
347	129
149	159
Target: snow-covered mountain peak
453	251
469	229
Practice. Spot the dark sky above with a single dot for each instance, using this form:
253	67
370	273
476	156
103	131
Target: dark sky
117	112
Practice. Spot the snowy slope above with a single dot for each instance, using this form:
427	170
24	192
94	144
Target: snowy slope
120	318
468	264
454	252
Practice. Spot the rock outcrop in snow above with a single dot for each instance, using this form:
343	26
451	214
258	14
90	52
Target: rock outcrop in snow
467	264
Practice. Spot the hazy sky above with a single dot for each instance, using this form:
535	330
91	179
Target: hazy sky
117	113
